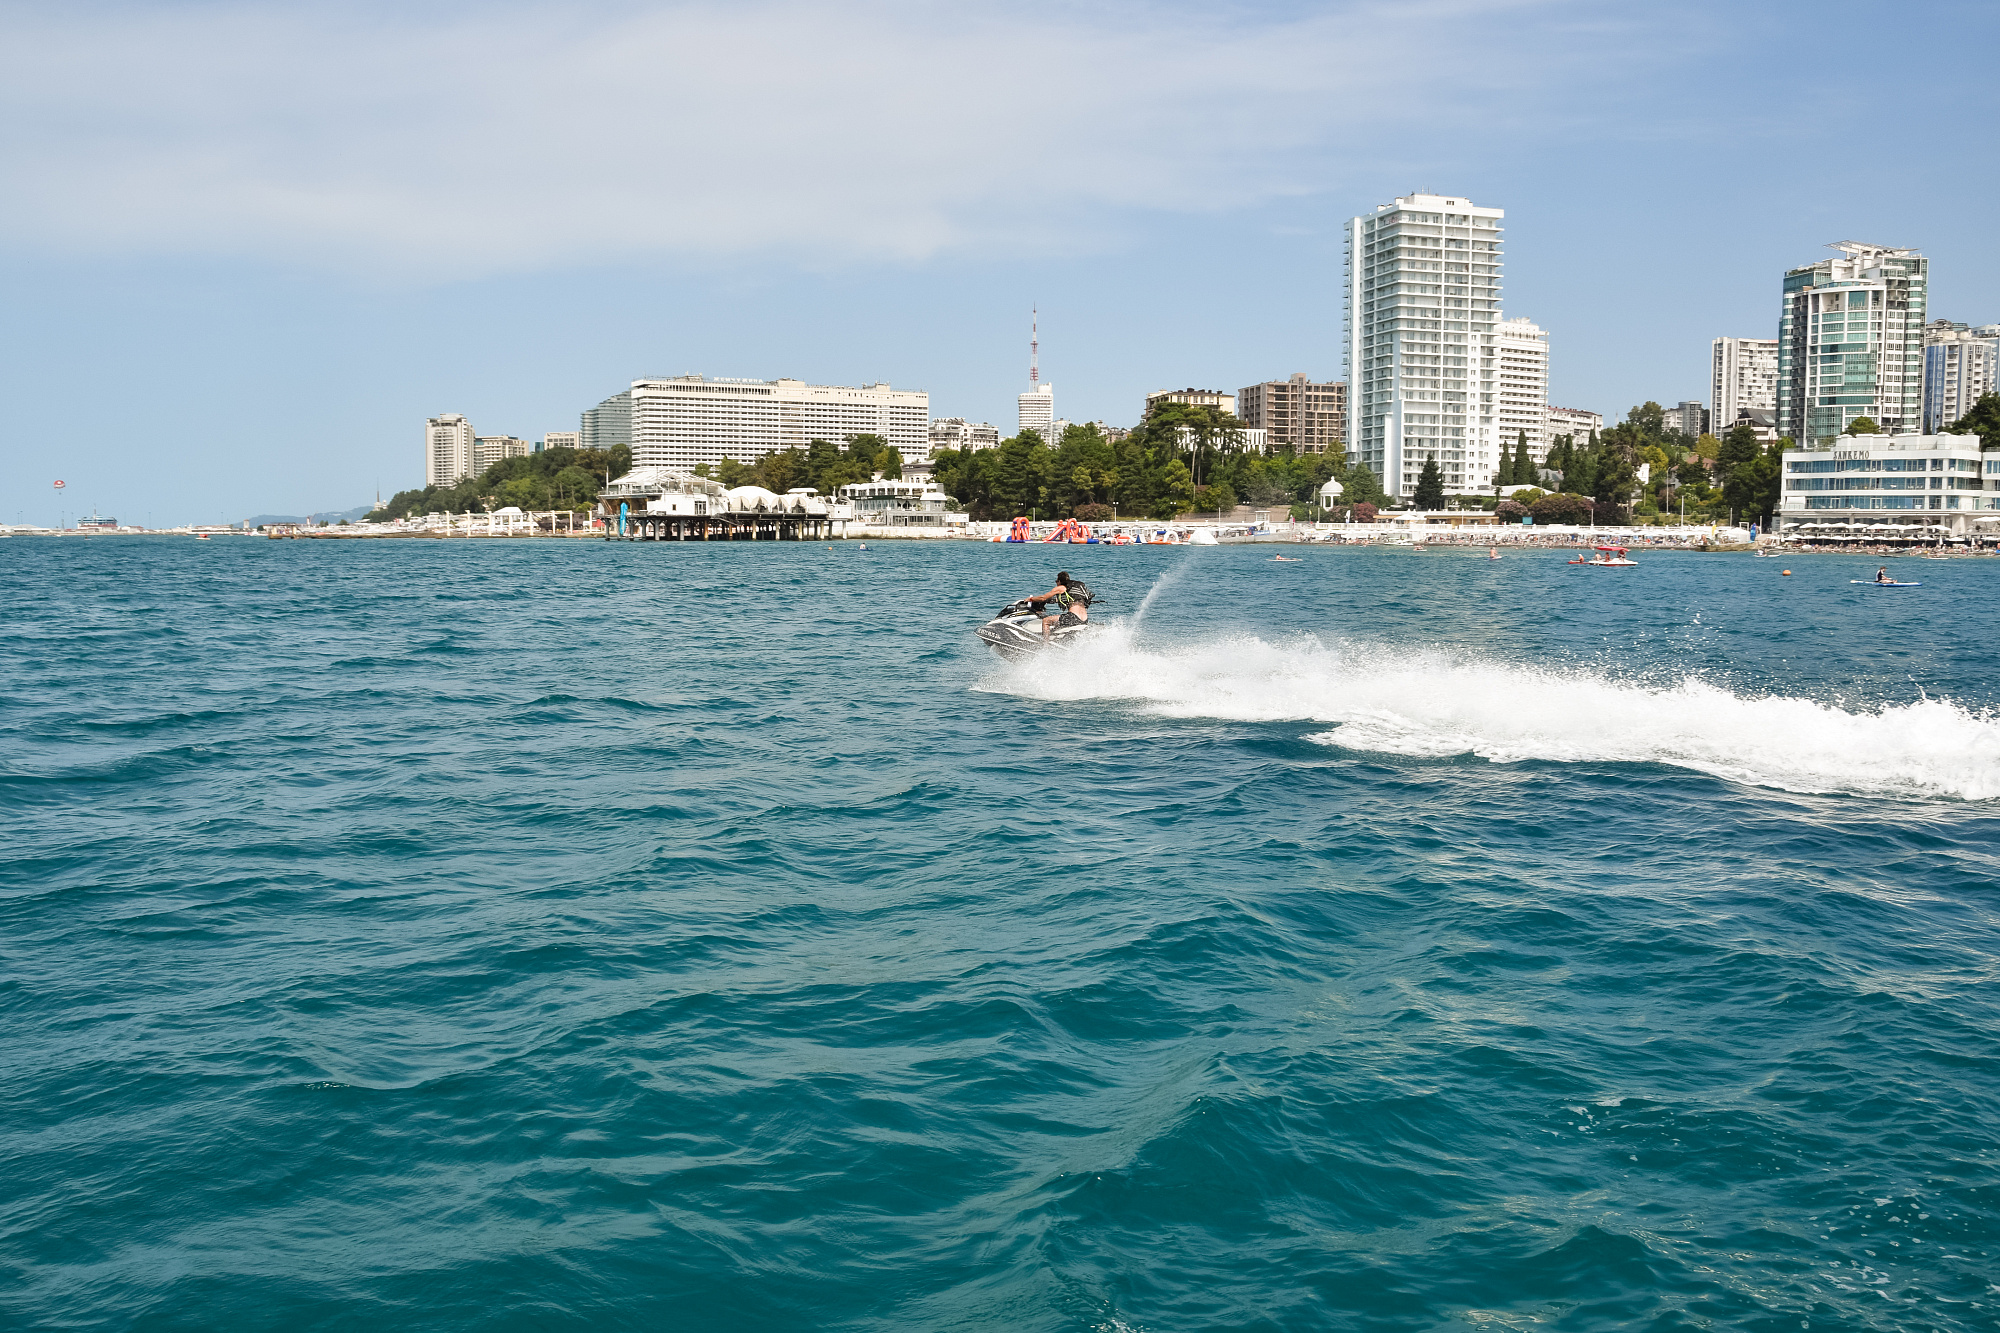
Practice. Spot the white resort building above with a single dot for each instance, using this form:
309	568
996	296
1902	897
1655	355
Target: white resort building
900	504
690	420
960	434
1961	366
1523	384
447	449
1891	487
1743	377
1423	302
1038	411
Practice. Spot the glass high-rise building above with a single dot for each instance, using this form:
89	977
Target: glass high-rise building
1851	343
607	425
1423	306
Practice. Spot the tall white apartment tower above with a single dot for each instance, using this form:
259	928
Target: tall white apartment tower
1523	386
1423	305
447	449
1038	410
1743	375
1961	366
1851	342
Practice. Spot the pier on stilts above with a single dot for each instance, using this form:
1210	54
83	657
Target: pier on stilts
661	504
728	527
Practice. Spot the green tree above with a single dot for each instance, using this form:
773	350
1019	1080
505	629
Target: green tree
1176	490
1214	499
1557	458
1020	475
1649	418
1561	508
1740	446
1430	486
1983	420
1752	488
1361	487
1863	426
1615	477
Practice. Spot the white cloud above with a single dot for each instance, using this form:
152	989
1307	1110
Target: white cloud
511	137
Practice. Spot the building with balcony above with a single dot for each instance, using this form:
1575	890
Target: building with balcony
1296	413
490	449
1574	422
1421	332
691	420
1036	410
1521	384
1688	416
1961	366
962	435
1851	342
447	450
560	439
1742	375
1215	398
900	504
1890	487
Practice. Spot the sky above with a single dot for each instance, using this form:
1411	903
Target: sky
248	248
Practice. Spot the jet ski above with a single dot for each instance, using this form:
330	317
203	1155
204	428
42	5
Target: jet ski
1016	632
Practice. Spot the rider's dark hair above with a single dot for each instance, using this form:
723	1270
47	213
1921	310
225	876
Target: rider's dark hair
1062	576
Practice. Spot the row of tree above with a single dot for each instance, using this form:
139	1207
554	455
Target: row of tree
559	478
1182	458
822	465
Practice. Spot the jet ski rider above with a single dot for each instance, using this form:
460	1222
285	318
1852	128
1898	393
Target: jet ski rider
1073	599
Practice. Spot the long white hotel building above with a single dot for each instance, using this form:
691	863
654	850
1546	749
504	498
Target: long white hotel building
693	419
1423	303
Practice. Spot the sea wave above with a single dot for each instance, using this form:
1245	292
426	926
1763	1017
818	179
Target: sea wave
1433	704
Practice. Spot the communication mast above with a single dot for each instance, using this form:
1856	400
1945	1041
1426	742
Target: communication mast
1034	345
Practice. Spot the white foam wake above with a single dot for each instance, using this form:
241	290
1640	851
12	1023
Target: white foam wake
1431	704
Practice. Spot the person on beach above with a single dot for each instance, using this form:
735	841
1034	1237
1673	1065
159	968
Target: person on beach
1072	598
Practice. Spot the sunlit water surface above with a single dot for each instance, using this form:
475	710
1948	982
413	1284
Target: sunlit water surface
490	935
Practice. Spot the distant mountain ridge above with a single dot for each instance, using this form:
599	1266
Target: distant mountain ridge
349	514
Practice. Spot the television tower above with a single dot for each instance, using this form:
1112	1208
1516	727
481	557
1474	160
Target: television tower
1034	345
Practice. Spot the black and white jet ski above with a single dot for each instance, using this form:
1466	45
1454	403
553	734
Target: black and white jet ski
1016	632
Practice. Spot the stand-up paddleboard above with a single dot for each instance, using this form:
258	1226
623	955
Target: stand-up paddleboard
1878	583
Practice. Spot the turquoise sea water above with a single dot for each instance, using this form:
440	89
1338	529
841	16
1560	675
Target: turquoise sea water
493	935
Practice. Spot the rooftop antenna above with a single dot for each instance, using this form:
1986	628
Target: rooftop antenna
1034	345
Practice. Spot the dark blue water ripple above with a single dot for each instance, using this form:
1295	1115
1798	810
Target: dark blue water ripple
532	935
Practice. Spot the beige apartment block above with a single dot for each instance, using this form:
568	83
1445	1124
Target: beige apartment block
1574	422
1297	413
490	449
